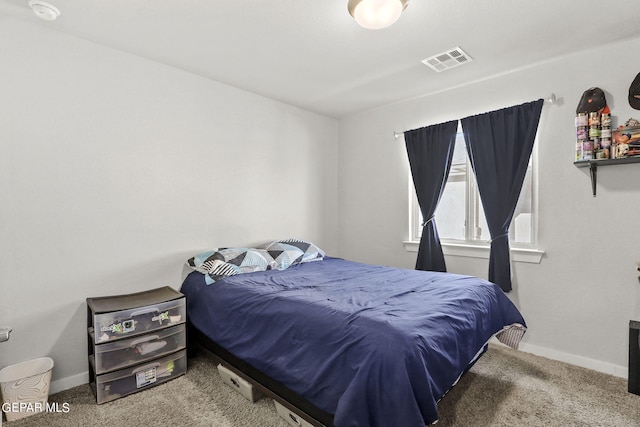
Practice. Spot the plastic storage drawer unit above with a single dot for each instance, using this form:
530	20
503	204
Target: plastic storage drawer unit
120	383
135	341
131	351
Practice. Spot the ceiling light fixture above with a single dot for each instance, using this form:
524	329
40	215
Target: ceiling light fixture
376	14
44	10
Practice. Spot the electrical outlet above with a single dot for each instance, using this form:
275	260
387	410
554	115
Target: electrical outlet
4	333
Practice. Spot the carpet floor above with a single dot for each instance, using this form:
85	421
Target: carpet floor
504	388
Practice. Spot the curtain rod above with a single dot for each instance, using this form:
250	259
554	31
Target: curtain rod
551	99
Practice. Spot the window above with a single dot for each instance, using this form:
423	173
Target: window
460	218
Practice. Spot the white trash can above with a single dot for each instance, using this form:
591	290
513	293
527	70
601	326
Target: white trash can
25	387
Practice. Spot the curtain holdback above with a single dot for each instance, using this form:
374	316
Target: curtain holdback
433	217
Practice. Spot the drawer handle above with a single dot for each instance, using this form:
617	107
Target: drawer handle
144	311
294	418
149	347
144	339
145	367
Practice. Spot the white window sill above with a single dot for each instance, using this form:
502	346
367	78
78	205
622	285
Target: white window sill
530	255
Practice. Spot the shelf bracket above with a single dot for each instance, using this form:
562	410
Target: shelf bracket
593	171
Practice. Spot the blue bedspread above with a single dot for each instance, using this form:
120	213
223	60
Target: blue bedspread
373	345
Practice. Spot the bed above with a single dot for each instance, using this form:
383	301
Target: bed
347	343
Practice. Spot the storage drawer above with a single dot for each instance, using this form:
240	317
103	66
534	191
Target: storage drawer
239	384
135	321
111	386
291	417
133	351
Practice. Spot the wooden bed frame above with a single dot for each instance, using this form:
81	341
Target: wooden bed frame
271	388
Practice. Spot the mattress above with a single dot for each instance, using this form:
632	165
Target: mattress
372	345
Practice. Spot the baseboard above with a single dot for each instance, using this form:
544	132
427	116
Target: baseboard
69	382
572	359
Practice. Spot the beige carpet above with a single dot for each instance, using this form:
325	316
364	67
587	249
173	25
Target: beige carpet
504	388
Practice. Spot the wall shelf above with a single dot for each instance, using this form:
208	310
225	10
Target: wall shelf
593	167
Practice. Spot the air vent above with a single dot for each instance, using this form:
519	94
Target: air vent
449	59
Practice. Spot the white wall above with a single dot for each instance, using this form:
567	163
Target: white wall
114	170
578	301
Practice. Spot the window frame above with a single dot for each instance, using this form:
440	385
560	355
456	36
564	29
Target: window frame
476	248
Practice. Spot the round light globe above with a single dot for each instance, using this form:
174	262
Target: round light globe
377	14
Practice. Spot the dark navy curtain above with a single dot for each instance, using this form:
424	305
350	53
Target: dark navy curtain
499	144
430	150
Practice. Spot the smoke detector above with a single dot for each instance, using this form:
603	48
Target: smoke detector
44	10
446	60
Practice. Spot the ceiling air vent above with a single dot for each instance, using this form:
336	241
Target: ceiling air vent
449	59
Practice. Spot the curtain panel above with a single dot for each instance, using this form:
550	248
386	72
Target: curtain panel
430	151
499	145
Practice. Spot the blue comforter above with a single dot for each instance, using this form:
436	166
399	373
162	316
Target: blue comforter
373	345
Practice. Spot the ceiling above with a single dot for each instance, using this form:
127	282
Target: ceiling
312	54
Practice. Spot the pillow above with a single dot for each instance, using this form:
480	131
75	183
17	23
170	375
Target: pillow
292	251
224	262
196	262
